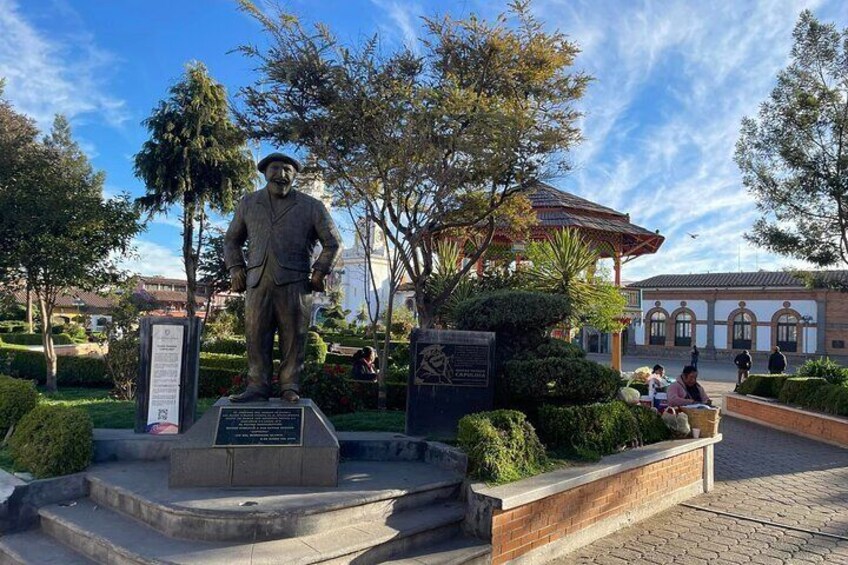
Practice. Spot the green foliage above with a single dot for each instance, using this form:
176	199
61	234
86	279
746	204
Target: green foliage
223	361
490	102
816	394
71	370
316	349
824	368
768	386
366	393
53	440
195	157
502	446
521	319
230	346
17	397
213	382
122	364
403	321
793	154
329	389
35	339
370	421
556	380
590	432
552	347
8	327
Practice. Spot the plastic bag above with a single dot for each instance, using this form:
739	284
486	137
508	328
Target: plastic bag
678	423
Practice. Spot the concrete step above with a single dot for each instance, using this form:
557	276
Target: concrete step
368	491
461	550
106	536
36	548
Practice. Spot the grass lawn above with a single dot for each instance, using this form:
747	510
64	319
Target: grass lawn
108	413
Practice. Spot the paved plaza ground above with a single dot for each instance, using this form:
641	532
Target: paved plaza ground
778	499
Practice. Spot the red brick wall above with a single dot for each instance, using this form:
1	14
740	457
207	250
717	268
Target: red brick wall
804	423
521	529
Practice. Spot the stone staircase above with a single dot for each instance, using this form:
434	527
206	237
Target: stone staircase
381	512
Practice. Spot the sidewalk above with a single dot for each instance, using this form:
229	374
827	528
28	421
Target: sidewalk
778	499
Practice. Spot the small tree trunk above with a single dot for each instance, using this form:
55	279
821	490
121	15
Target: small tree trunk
47	340
30	325
384	360
189	259
426	312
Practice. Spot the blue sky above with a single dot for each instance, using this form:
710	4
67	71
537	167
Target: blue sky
673	80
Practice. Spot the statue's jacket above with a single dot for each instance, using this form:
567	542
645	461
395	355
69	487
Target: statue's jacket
284	241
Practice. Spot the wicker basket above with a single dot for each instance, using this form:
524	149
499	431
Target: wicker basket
706	420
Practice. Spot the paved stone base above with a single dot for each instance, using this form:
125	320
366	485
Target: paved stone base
195	462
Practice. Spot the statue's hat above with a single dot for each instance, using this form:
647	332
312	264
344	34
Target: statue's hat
263	164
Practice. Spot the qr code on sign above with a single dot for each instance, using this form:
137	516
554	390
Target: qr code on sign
163	414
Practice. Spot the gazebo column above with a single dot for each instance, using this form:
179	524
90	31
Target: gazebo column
616	337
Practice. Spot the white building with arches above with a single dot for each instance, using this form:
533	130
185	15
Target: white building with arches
724	313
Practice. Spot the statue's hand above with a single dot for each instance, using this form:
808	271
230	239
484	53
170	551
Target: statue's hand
238	279
317	282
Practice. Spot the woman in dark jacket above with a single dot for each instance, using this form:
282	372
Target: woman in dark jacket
363	365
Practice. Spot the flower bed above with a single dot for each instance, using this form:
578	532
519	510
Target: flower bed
805	423
547	515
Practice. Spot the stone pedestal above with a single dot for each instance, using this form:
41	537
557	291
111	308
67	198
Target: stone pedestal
271	443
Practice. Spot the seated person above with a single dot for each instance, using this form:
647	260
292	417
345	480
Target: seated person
656	382
363	365
686	389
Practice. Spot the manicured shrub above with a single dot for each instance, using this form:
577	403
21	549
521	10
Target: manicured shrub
590	432
336	359
35	339
17	397
70	370
366	395
502	446
53	439
230	346
519	318
214	382
650	425
762	385
799	390
8	326
316	349
816	394
556	380
330	390
824	368
223	361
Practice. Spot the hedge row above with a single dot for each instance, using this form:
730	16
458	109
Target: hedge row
13	326
230	346
816	393
768	386
34	339
71	370
595	430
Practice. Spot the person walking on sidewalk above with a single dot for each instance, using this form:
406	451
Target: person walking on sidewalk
694	356
776	362
743	364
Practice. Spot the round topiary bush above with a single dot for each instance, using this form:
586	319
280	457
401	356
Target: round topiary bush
316	349
53	440
17	397
520	318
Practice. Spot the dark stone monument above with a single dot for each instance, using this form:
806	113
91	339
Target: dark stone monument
166	396
272	443
451	374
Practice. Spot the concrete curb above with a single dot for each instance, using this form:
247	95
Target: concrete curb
19	511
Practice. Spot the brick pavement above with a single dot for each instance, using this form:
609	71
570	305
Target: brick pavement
762	476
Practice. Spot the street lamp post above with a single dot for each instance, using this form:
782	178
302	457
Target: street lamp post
806	319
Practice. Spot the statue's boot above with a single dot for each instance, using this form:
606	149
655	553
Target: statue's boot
252	394
291	396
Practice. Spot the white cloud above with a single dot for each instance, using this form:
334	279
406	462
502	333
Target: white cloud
48	74
155	259
405	21
673	81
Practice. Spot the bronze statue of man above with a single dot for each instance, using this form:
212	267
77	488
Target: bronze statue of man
282	227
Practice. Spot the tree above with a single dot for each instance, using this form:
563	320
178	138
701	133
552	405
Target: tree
56	230
195	157
566	264
212	268
794	155
430	145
